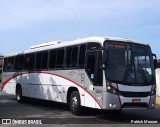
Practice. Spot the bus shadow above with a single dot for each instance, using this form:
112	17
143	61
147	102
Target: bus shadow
48	105
93	115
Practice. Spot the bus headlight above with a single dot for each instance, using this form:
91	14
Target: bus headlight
109	88
112	89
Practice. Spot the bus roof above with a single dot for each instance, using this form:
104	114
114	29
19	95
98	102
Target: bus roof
59	44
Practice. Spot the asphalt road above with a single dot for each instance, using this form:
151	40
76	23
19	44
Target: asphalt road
57	113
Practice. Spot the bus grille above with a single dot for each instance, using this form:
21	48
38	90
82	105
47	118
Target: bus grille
134	94
132	105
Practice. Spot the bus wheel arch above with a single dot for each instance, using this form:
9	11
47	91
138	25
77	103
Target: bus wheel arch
19	96
74	101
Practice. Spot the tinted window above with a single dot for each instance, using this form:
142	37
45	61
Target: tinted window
5	64
93	46
38	60
68	55
52	58
9	64
60	57
26	62
19	62
44	60
91	65
29	61
99	70
82	56
74	56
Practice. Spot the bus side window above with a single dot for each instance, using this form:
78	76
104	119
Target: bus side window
81	57
44	60
68	56
19	62
38	60
94	67
11	63
93	45
90	66
32	61
74	56
60	58
52	59
5	66
26	61
71	57
99	74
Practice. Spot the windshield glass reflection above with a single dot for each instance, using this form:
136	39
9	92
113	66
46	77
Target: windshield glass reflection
129	63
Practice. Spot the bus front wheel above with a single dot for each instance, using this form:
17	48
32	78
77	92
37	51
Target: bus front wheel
19	96
75	103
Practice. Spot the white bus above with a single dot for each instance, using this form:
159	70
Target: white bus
96	72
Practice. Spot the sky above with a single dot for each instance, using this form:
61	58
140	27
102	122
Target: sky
24	23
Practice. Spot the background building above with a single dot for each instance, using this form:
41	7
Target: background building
158	82
1	62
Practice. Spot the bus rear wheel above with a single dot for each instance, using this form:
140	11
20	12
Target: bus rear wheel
19	96
75	103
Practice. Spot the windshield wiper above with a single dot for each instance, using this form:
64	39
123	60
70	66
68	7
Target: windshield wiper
143	74
126	73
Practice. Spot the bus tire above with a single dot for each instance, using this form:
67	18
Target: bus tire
19	96
75	106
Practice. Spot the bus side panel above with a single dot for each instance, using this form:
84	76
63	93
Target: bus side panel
42	86
51	86
10	87
8	83
47	86
89	102
90	94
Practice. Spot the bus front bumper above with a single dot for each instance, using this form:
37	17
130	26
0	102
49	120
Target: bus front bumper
115	102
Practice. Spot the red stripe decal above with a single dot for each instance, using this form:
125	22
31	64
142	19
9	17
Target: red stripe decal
149	99
119	98
14	76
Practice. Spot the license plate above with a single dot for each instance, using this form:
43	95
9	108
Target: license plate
136	100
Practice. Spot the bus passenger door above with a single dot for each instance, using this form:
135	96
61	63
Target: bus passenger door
99	79
94	78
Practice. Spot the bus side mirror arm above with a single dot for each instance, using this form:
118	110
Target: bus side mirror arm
155	61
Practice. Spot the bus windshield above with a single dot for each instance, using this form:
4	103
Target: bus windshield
129	63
